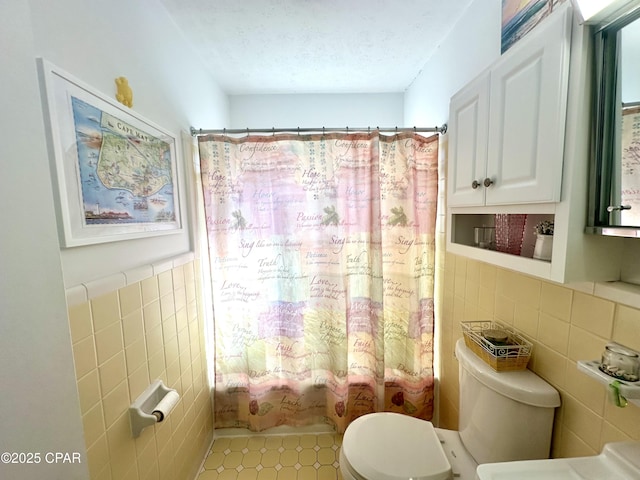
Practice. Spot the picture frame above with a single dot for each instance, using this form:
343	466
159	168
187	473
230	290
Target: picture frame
519	17
115	173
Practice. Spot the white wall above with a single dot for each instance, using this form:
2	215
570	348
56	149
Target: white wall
471	46
39	410
96	41
328	110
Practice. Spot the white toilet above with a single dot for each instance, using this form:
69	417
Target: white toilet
504	416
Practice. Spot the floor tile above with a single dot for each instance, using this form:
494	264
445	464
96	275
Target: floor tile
274	457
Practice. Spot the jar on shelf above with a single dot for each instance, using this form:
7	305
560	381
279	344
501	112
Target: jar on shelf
620	362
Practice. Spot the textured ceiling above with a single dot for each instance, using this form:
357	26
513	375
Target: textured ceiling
315	46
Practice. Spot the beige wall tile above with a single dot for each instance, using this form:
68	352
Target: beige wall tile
583	422
586	390
504	309
626	329
135	355
473	271
526	319
169	328
93	424
138	381
130	299
180	298
472	292
112	372
157	366
506	283
80	322
613	434
625	419
108	342
147	460
549	365
558	344
98	456
583	345
132	327
574	446
116	403
89	390
151	315
165	283
166	464
459	286
105	310
122	449
486	302
171	350
554	333
488	275
526	290
126	369
167	306
84	356
593	314
556	301
154	340
149	290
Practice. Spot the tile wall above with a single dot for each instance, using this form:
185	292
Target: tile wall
565	325
125	338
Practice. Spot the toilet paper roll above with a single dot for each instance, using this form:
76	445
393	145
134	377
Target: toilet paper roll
165	405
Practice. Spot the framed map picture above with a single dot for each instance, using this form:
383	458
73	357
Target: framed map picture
115	172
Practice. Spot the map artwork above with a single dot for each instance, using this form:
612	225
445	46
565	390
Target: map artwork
125	174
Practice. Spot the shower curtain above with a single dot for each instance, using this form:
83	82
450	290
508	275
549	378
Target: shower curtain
321	252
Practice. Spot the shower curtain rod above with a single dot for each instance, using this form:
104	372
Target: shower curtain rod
195	131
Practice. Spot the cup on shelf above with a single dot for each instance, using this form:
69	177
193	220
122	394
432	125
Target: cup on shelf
484	237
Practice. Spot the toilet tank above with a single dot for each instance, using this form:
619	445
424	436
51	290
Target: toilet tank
504	416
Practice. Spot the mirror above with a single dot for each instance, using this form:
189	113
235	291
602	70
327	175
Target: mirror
615	167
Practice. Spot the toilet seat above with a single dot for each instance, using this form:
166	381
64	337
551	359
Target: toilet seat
391	446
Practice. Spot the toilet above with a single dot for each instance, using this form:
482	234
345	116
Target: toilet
504	416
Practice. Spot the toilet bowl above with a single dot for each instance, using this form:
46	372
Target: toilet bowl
391	446
493	407
617	461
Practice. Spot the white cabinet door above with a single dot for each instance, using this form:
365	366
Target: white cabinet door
468	128
528	102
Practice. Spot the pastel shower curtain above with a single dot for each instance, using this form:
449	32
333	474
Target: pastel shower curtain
322	263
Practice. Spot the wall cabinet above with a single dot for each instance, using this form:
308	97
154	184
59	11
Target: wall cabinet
523	125
507	126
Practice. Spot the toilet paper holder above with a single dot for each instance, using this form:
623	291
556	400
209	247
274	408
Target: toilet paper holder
152	406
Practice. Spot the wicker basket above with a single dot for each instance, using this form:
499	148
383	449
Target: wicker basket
501	358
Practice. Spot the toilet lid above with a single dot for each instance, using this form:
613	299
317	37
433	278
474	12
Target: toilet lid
391	446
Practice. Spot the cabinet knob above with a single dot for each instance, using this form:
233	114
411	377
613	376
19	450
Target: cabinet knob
475	184
488	182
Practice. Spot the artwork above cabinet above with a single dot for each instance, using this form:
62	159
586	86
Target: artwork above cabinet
507	126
